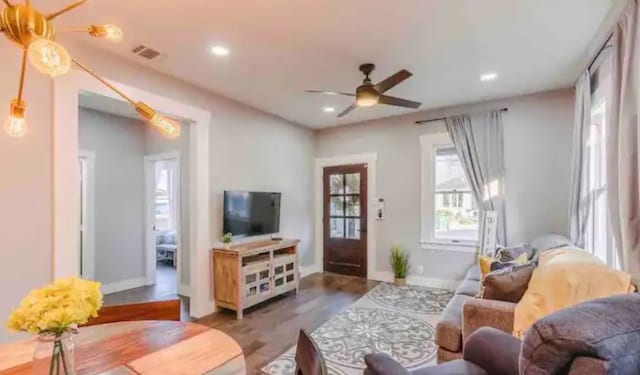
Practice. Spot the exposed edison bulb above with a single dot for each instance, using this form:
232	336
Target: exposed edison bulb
16	124
168	127
49	57
109	31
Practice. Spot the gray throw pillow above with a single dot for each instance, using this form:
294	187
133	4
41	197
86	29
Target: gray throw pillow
508	254
508	284
605	328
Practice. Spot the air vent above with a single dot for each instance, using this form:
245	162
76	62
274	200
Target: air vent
146	52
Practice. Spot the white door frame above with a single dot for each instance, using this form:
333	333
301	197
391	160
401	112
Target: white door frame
370	159
149	203
66	216
88	235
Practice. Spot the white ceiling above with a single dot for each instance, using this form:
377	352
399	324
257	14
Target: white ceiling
281	47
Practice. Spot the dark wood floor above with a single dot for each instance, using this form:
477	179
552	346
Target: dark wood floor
165	288
271	328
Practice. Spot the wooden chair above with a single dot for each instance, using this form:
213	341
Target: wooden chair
309	360
156	310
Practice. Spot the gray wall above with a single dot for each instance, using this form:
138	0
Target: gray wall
537	156
119	144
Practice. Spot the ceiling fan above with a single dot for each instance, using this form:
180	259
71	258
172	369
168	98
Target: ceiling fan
368	94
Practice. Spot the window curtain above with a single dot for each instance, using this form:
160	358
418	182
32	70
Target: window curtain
623	174
581	202
480	147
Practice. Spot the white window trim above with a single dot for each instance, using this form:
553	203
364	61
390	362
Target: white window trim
429	143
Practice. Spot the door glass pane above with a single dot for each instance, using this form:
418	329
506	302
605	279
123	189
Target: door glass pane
353	229
337	206
353	205
336	184
353	183
337	228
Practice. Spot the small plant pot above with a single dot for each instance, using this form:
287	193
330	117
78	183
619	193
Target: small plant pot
226	246
400	282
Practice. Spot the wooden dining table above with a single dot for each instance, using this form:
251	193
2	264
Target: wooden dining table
142	347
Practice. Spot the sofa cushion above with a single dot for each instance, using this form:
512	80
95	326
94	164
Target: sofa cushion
469	288
605	328
508	284
457	367
473	273
449	328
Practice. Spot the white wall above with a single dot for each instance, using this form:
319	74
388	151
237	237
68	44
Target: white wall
537	135
249	150
119	144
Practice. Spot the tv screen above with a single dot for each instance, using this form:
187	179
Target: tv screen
249	213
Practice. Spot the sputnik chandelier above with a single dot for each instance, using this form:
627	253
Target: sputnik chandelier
34	33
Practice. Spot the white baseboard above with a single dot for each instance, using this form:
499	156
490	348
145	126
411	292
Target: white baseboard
434	282
308	270
184	290
119	286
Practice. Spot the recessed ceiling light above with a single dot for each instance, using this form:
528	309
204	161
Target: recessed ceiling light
220	50
329	109
486	77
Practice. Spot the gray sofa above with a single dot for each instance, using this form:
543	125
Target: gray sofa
596	337
465	314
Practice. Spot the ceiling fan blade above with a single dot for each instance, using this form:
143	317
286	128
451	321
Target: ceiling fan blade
392	81
329	92
392	100
349	109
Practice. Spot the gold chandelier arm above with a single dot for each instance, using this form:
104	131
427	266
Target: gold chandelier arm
73	29
23	70
65	9
104	82
9	4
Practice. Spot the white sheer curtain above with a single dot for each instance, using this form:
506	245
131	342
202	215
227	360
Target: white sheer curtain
580	199
480	147
623	139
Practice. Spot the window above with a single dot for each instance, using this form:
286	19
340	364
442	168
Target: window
599	239
449	210
165	205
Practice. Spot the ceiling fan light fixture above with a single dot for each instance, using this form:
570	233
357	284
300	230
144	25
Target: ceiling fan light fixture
367	96
49	57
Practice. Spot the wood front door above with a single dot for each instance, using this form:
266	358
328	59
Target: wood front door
345	219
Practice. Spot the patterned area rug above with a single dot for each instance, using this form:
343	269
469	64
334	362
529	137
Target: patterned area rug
399	321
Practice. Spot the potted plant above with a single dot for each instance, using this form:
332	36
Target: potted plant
226	239
54	313
400	264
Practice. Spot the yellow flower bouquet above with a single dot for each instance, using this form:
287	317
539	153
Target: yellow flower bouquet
53	312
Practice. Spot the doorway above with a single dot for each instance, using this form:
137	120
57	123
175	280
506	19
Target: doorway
345	219
163	222
87	164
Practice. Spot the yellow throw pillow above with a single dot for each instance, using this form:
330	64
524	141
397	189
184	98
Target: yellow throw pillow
485	264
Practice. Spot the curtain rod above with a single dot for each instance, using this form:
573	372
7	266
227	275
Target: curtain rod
420	122
604	46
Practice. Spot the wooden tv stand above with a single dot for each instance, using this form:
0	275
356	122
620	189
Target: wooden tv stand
249	273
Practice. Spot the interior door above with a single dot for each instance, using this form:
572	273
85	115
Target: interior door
345	220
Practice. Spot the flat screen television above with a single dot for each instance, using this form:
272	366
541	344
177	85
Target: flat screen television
250	213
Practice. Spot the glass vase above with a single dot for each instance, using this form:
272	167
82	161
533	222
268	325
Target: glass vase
54	355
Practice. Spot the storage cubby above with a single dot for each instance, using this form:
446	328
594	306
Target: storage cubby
250	273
